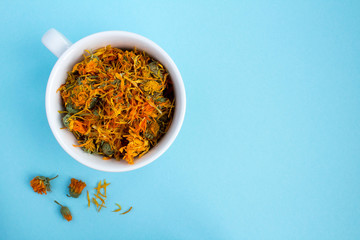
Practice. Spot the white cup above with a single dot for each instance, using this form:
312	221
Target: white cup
69	54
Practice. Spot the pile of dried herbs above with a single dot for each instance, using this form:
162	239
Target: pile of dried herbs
119	103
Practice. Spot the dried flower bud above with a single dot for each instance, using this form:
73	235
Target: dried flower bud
65	212
41	184
76	187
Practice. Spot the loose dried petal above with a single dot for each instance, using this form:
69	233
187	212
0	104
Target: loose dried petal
127	211
119	208
88	198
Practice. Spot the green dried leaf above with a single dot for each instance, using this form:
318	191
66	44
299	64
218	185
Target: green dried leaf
154	68
66	120
79	80
93	102
86	150
70	109
95	112
162	99
149	135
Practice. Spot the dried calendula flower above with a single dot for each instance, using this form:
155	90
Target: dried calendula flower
65	212
76	187
41	184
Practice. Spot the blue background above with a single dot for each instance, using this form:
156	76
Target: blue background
269	148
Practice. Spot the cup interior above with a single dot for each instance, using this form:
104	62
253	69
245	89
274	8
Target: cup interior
73	55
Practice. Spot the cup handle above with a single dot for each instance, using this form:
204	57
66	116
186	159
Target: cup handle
55	42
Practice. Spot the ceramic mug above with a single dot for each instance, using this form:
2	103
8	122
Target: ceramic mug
69	54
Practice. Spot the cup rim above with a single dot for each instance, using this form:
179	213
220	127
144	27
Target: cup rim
157	150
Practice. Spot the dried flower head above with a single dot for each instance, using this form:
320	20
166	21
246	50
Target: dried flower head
65	212
76	187
41	184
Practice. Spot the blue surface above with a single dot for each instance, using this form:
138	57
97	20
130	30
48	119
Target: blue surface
270	144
